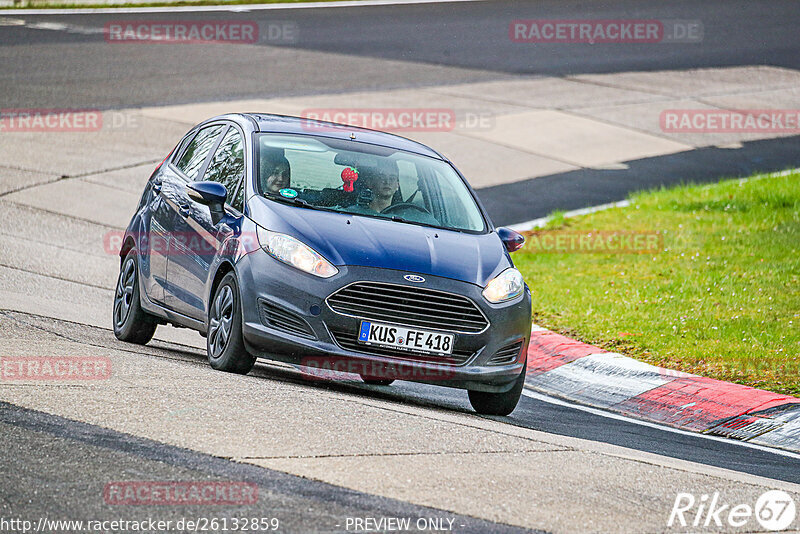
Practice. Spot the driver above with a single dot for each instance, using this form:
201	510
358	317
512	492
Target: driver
384	183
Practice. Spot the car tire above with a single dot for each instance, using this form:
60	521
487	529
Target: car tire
131	323
224	340
372	381
486	403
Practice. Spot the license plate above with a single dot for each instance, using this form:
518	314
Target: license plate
400	337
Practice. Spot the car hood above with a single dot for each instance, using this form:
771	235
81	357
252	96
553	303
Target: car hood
346	239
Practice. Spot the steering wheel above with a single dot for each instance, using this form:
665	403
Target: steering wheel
404	205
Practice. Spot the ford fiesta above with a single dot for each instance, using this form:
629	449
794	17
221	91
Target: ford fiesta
330	247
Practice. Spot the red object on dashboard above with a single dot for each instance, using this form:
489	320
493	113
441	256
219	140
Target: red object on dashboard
349	177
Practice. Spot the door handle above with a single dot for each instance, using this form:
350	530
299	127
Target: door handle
157	186
185	210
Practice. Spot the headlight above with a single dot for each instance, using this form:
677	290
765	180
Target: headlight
295	253
506	286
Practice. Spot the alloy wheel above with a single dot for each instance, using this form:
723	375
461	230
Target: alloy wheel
219	328
123	296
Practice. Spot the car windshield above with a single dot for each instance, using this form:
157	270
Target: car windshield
362	179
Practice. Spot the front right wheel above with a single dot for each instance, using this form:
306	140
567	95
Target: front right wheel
375	381
486	403
224	340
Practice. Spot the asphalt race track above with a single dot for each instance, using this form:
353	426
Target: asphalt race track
70	461
321	452
387	47
443	43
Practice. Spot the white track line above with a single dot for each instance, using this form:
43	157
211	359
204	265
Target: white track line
51	26
541	221
238	8
610	415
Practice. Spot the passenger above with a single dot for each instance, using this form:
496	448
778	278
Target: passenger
275	175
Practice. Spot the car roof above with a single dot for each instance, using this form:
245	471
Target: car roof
268	122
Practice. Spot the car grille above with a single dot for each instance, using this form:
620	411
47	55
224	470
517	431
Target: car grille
409	306
349	341
507	354
277	317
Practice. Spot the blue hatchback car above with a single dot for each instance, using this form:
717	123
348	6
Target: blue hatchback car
331	247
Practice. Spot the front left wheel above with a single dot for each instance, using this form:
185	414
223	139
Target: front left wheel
224	341
486	403
131	322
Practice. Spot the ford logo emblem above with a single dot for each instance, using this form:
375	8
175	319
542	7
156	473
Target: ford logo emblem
414	278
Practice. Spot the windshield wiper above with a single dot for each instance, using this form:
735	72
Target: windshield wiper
296	201
397	218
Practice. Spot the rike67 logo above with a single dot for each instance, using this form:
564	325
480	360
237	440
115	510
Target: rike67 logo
774	510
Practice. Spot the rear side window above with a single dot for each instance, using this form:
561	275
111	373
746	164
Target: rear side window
227	165
192	160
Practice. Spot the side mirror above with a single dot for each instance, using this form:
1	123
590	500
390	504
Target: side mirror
211	194
512	240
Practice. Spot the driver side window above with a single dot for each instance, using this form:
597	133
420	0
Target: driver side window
227	167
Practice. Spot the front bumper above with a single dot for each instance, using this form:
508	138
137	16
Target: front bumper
324	340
